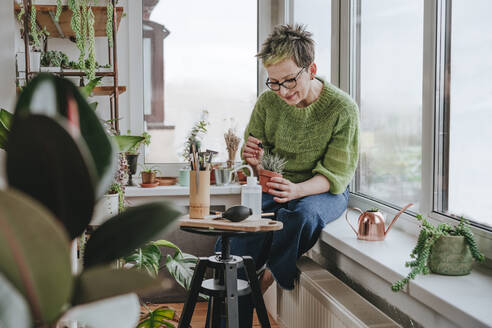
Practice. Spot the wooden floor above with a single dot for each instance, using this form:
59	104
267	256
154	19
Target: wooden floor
200	314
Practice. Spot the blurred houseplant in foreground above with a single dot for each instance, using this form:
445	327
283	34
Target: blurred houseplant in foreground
59	162
445	249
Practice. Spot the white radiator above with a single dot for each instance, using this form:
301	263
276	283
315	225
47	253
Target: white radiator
320	300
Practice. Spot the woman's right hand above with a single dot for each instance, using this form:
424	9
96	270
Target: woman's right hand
252	153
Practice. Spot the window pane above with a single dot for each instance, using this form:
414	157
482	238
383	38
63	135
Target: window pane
390	86
209	64
470	140
316	15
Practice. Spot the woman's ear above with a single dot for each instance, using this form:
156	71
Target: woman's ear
312	70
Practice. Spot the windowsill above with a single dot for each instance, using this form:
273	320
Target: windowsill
465	300
177	190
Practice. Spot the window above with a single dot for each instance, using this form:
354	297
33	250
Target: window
208	64
466	133
387	76
316	15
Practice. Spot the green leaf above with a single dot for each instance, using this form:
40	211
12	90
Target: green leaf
49	163
104	282
34	255
94	105
158	318
165	243
123	233
120	311
14	310
49	95
87	90
181	267
5	123
146	258
125	143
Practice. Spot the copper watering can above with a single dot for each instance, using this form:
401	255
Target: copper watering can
371	224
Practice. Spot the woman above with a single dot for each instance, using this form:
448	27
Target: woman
315	127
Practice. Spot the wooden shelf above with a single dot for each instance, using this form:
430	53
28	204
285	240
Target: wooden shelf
107	90
45	16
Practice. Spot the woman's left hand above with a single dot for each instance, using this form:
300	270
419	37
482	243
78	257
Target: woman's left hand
283	189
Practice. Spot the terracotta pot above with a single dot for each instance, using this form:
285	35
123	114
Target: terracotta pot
450	255
148	177
265	177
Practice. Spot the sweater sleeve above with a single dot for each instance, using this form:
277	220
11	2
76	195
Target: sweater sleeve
340	160
256	125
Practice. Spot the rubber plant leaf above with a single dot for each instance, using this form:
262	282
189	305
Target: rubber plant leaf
181	267
34	255
52	96
14	310
158	318
49	162
5	123
125	143
102	282
128	231
120	311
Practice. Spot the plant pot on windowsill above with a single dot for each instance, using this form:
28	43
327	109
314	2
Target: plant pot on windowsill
265	177
148	177
132	160
450	255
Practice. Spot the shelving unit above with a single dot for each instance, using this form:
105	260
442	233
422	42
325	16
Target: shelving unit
45	16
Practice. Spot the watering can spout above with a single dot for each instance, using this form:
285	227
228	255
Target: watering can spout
396	217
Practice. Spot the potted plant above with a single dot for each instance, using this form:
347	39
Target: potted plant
445	249
37	227
130	146
272	165
53	61
194	137
149	176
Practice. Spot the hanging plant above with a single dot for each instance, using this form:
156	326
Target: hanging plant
109	23
76	24
34	29
58	10
91	69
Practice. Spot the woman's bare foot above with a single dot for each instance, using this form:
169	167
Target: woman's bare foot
266	281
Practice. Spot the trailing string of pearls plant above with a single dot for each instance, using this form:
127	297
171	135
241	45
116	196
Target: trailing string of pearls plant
82	24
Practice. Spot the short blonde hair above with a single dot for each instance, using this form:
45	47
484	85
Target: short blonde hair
287	41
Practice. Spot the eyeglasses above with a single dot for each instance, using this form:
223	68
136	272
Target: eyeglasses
288	84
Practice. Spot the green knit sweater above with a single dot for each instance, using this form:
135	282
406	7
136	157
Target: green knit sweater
322	138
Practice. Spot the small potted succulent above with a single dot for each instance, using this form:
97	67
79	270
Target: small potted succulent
53	61
272	165
445	249
149	176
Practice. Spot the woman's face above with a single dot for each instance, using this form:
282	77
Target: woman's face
287	70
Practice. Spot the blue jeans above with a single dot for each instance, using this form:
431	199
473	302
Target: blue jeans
303	220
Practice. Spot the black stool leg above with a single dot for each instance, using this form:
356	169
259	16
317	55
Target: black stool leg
215	305
196	284
258	302
231	300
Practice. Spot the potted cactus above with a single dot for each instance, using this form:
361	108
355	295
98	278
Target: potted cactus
443	250
272	165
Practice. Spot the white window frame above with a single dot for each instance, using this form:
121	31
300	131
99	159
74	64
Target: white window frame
434	25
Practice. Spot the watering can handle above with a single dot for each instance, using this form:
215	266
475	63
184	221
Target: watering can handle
241	167
346	217
396	217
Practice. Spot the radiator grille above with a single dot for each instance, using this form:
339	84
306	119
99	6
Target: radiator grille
320	300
